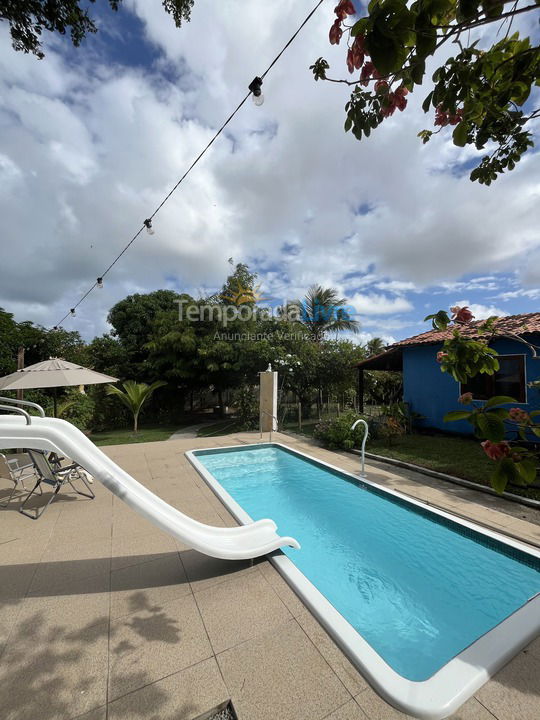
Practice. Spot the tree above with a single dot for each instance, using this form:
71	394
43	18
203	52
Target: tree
133	320
322	311
375	346
134	396
482	90
29	18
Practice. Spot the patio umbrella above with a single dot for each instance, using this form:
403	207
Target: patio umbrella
53	373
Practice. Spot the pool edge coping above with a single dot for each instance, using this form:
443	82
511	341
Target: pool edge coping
456	681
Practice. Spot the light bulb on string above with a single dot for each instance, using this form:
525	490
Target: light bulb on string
148	225
255	87
72	312
99	282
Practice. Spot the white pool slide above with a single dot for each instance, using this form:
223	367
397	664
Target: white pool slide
54	435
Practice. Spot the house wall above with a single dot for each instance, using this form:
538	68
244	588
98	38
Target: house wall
432	393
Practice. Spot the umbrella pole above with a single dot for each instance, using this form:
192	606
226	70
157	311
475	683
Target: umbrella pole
54	402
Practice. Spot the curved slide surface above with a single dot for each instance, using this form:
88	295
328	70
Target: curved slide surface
59	436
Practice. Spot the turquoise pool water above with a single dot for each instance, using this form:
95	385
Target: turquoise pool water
417	587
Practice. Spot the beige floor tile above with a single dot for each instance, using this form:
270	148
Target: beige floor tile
182	696
239	609
204	571
52	672
79	548
350	711
282	588
81	602
9	614
140	548
347	673
15	579
514	692
99	713
148	584
154	642
281	675
51	577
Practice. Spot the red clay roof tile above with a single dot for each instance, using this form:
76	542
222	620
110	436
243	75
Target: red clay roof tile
516	324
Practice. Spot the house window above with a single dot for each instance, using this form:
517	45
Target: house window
508	380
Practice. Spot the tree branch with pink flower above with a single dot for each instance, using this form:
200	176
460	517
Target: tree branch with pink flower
482	92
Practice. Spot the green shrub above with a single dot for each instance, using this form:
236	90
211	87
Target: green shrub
246	402
336	434
77	408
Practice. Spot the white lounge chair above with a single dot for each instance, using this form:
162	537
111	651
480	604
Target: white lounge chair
56	477
18	470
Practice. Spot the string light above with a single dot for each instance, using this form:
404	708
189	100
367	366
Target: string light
99	282
255	88
258	99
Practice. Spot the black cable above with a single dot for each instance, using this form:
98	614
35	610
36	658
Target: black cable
190	168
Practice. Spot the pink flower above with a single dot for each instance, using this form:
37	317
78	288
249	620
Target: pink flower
335	33
443	118
461	315
518	415
496	451
465	398
356	54
344	8
441	356
367	72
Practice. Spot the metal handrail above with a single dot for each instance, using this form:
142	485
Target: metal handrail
26	403
264	412
19	411
364	439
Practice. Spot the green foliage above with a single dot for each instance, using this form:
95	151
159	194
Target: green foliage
134	396
77	408
336	434
38	343
246	402
382	387
464	358
481	92
29	18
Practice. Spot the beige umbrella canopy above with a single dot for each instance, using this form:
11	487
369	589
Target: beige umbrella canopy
53	373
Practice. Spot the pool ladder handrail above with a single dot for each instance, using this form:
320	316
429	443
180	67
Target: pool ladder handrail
264	412
364	439
25	403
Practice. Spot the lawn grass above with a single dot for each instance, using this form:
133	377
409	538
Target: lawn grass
461	457
126	436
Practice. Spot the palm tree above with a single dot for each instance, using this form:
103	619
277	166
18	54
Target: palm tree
134	396
375	346
322	310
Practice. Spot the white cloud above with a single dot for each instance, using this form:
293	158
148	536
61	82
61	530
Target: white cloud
375	304
88	150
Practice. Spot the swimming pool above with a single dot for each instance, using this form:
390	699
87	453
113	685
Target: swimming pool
426	605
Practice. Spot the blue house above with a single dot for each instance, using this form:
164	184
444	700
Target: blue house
432	393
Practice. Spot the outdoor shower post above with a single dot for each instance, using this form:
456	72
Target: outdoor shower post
268	396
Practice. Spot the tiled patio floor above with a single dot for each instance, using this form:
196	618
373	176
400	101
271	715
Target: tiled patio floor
103	616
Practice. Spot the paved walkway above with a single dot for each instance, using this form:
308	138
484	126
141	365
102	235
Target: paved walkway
190	432
103	617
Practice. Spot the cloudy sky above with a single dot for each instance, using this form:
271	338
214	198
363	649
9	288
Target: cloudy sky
93	138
